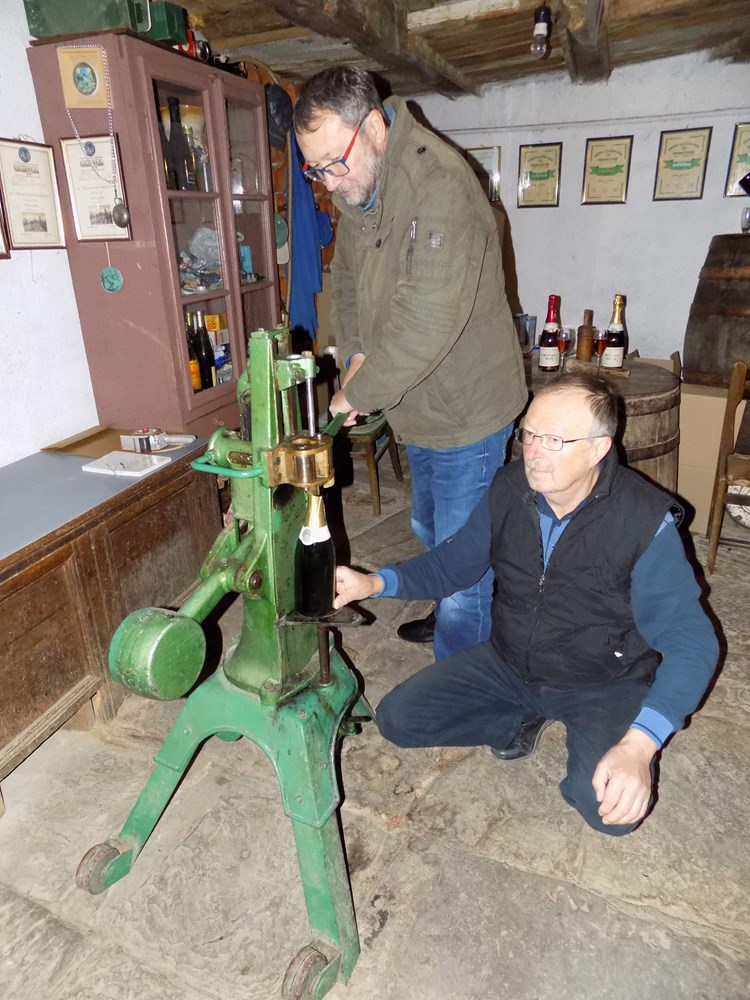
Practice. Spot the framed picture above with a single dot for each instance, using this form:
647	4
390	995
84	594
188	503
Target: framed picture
30	196
485	162
539	175
606	170
739	160
4	251
92	167
681	166
83	75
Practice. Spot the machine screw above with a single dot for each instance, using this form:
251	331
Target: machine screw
255	580
302	714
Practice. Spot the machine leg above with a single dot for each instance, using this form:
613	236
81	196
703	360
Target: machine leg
329	906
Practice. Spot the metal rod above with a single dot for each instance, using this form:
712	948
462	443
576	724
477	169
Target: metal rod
324	656
311	425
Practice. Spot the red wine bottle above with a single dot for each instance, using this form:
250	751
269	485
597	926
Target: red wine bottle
204	350
314	563
549	353
614	350
181	159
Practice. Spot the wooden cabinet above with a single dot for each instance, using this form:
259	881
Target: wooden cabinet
211	249
63	595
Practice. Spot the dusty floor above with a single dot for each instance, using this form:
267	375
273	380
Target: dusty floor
472	879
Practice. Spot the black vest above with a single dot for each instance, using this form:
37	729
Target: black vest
572	625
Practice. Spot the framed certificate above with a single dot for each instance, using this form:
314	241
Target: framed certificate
539	175
681	166
4	251
606	170
93	169
485	162
30	196
739	160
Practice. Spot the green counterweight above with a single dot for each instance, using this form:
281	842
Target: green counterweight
283	686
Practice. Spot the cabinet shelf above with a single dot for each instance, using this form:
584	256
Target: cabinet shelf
135	339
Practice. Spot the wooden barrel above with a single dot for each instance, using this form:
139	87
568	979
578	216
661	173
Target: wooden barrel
649	436
718	329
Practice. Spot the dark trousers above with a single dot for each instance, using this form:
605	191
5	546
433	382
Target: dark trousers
474	698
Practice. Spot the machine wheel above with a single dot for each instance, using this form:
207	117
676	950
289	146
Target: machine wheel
93	867
303	974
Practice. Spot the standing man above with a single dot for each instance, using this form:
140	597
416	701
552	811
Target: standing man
596	622
420	312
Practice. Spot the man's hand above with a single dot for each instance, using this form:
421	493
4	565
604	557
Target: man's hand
340	404
354	586
622	779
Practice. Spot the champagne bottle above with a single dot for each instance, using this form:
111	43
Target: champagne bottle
170	176
614	352
549	353
585	338
314	562
181	159
204	351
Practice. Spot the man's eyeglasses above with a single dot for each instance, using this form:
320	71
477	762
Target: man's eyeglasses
336	168
551	442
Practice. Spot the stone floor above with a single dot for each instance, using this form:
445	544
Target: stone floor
472	879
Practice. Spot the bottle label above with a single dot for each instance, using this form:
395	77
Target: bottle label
613	357
309	536
549	357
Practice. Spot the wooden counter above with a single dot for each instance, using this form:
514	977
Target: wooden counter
78	552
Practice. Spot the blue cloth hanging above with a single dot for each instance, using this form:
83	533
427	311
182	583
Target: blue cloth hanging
307	266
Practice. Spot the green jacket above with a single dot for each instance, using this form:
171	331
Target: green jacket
418	287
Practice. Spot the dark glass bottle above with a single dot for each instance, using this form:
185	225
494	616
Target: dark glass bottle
204	351
181	157
549	353
314	563
614	351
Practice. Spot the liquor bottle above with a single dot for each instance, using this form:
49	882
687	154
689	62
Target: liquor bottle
549	353
614	352
314	562
181	158
585	339
204	350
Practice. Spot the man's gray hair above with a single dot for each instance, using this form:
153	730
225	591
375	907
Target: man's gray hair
345	91
601	400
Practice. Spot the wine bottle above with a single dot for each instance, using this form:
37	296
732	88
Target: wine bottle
204	350
181	159
614	352
170	177
585	338
549	353
314	562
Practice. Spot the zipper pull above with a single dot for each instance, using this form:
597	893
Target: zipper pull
413	230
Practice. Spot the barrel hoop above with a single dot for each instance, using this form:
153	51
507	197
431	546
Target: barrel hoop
641	405
653	450
715	309
725	273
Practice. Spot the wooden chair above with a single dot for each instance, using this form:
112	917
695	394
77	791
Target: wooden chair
732	467
364	441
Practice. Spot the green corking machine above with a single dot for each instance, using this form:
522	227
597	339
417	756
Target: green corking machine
283	686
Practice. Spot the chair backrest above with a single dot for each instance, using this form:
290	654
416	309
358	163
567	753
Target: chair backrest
734	398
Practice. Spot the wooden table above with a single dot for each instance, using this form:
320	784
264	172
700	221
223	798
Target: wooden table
649	433
78	552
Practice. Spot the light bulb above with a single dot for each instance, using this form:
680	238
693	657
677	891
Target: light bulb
542	22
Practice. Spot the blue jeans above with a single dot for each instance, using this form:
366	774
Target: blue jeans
475	699
447	484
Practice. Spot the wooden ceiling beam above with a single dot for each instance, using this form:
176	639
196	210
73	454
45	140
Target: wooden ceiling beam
379	32
585	43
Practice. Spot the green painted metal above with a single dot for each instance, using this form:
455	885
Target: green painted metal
268	688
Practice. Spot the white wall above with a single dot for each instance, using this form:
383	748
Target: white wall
45	388
650	251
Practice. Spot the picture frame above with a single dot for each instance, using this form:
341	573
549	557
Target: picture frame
83	76
681	164
606	170
4	247
485	161
88	167
30	196
739	160
539	169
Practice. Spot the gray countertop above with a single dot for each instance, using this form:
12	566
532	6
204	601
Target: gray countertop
41	493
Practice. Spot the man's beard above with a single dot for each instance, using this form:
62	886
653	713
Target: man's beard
360	192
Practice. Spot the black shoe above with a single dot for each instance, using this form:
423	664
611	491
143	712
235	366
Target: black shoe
421	630
526	740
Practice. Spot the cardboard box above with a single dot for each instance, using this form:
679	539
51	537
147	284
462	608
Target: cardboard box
218	332
701	416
